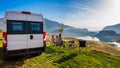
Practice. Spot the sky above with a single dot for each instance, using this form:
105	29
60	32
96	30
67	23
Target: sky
91	14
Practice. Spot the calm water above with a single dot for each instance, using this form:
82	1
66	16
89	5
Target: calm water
116	43
89	38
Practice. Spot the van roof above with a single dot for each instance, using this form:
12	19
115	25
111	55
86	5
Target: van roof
23	12
23	15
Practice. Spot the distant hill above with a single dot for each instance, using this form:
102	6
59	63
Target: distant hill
108	36
1	22
110	33
69	31
115	28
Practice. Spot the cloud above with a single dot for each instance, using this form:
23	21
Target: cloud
82	7
107	13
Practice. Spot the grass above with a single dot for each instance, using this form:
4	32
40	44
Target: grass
58	57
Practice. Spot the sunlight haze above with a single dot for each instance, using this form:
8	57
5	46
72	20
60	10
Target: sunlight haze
91	14
106	12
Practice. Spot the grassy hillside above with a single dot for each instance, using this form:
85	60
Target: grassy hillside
95	55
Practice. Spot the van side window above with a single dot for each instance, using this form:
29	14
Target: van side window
17	27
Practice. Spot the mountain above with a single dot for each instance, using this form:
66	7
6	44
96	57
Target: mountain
108	36
115	28
52	28
110	33
1	22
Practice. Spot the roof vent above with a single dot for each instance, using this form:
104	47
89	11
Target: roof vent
24	12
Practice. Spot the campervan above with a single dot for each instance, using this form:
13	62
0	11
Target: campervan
23	33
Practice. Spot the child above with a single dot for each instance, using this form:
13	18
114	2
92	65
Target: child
53	40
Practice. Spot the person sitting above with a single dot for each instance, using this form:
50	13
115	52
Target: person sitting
60	40
57	41
53	40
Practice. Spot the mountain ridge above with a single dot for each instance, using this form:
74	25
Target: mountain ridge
69	31
115	28
108	36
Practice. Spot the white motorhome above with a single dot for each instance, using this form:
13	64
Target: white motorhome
23	33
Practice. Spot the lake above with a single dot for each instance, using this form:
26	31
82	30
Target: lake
89	38
116	43
96	39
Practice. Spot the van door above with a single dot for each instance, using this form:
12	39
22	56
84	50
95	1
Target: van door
35	34
16	35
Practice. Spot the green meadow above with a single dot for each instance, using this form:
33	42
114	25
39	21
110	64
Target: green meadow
59	57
